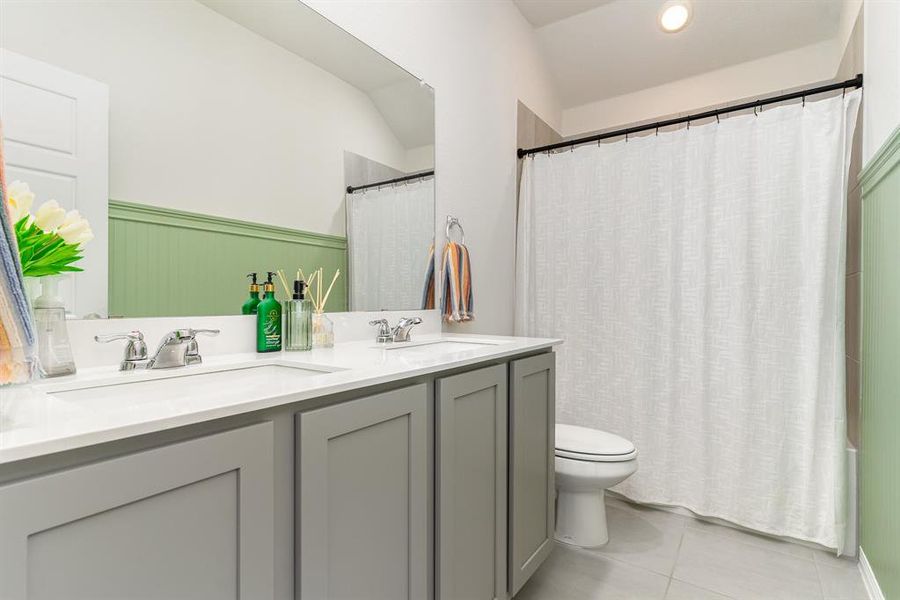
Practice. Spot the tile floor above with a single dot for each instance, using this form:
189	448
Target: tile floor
657	555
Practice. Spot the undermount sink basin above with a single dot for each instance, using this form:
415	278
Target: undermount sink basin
432	347
183	385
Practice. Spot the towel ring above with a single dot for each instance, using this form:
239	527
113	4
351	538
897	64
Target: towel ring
454	222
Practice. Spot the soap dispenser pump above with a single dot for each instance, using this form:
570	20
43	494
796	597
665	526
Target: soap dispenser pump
268	319
249	307
298	319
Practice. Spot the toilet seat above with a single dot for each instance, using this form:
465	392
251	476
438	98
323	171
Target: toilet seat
592	445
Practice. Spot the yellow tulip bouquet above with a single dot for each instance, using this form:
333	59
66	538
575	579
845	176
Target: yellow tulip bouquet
49	240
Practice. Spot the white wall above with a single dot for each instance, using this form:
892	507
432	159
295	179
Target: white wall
481	57
881	109
207	116
772	74
768	75
420	158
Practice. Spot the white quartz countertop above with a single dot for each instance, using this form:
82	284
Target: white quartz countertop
94	406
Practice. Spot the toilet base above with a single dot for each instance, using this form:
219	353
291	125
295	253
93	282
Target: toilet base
581	518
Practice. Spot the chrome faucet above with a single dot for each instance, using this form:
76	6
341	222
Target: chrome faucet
178	348
386	334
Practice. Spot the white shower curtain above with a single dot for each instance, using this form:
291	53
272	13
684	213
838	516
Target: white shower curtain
697	278
390	231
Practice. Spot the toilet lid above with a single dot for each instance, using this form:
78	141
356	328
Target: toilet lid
583	443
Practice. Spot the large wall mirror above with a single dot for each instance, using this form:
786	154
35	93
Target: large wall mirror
205	140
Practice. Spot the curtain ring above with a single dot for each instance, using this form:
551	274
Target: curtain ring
843	92
657	129
689	126
626	137
804	101
717	118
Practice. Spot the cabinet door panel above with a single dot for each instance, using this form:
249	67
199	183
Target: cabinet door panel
200	512
532	418
471	485
363	498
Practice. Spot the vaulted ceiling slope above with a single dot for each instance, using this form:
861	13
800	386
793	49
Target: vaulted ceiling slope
598	49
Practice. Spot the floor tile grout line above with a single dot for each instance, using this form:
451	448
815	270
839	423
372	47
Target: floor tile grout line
705	589
677	553
751	544
668	585
819	577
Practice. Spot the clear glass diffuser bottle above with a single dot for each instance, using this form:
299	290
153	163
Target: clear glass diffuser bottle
323	331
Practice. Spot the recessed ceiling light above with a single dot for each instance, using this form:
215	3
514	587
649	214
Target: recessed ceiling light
674	16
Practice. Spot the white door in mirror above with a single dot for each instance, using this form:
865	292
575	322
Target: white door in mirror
55	129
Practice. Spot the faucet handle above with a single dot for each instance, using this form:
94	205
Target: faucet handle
192	355
135	336
206	331
135	349
384	330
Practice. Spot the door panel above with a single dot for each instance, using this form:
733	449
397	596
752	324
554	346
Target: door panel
532	423
362	490
471	485
201	512
56	139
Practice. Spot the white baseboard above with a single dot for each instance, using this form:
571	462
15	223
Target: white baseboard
868	577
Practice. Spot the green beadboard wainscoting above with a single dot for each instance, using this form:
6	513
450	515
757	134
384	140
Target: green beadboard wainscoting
880	402
165	262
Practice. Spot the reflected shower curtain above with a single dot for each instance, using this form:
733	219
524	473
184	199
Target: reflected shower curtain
697	278
389	232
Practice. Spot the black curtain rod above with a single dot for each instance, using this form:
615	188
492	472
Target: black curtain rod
856	82
351	188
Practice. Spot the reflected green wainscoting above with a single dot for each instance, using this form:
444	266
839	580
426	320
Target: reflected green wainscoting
880	402
165	262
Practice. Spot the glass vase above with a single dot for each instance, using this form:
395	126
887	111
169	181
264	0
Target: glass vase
54	350
323	331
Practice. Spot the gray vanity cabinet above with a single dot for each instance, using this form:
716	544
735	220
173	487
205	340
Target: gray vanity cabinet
362	498
532	418
471	430
187	520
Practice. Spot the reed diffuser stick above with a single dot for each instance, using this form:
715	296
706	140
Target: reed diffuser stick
319	306
328	293
287	290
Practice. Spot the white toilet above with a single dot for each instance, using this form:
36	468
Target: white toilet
587	462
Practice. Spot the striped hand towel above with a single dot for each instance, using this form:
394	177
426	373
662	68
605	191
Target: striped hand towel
428	292
17	332
457	302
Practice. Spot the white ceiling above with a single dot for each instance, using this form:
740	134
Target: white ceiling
543	12
604	48
304	32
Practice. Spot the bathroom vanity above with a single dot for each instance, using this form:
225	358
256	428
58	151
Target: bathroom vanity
413	471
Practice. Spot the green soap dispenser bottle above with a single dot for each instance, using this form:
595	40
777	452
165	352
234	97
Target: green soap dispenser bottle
249	307
268	319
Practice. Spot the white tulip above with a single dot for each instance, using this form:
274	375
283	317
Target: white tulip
73	216
49	216
75	229
20	200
